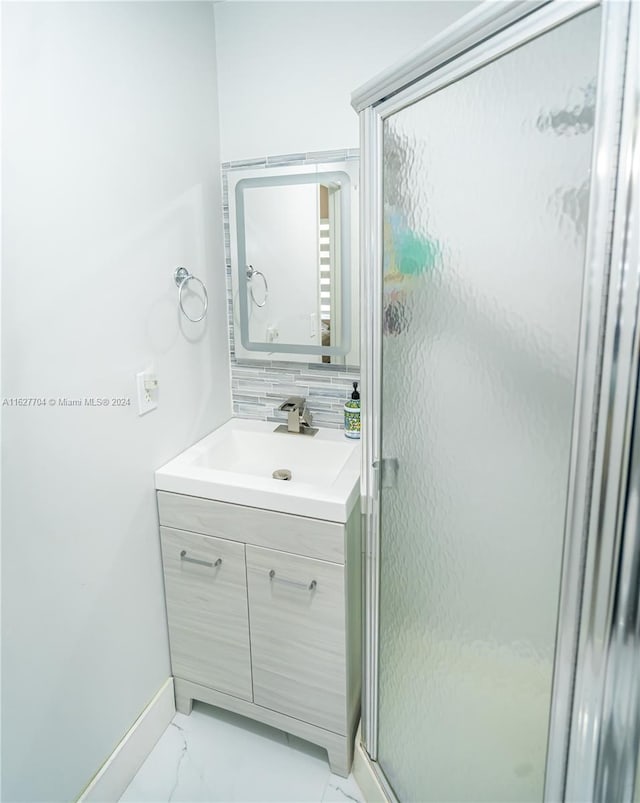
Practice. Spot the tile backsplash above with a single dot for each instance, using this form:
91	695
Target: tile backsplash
258	387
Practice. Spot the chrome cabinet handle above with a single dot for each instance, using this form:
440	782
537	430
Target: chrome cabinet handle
185	557
274	579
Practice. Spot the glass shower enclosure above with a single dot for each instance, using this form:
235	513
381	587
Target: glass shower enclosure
499	383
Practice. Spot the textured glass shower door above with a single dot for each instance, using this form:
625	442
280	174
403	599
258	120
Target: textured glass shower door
486	194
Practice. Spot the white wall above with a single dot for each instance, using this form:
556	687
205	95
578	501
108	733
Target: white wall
110	180
287	69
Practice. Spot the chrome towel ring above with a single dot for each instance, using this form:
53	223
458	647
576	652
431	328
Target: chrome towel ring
182	277
251	272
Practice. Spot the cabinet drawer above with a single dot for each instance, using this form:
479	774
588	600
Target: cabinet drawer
205	586
264	528
298	636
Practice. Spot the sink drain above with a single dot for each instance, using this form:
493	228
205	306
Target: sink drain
281	474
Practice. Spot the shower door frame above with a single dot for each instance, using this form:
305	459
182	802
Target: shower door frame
587	656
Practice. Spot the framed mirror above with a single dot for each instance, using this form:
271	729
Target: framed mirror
294	260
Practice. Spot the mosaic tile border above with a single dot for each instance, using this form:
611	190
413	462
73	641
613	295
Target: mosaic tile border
258	387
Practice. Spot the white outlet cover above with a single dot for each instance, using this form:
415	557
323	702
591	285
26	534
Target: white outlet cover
147	400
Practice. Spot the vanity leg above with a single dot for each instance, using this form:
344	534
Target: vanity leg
341	758
184	704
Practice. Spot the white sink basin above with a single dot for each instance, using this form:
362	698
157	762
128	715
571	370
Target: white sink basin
235	463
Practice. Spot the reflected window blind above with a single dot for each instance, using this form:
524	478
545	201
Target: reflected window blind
325	271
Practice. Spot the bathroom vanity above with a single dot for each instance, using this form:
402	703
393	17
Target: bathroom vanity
264	603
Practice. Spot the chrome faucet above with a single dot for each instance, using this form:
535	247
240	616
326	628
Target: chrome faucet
298	417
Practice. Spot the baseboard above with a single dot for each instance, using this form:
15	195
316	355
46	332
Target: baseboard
118	771
365	775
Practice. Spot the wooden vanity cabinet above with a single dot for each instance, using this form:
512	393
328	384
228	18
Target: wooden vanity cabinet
264	614
206	593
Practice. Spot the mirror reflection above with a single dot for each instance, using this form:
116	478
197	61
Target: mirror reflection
294	262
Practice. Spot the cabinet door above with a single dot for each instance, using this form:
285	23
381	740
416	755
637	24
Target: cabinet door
206	591
296	609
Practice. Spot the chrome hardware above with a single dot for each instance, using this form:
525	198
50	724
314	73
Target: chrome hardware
251	272
182	277
298	417
272	576
386	471
185	557
281	474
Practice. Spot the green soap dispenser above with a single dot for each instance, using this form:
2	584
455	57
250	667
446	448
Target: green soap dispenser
352	414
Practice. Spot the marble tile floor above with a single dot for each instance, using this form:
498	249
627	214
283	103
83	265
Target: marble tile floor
214	756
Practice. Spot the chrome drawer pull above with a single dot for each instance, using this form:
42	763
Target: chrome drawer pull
184	556
273	578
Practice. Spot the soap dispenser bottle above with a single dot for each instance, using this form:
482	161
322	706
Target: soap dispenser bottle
352	414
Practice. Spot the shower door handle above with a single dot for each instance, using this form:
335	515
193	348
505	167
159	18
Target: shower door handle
386	472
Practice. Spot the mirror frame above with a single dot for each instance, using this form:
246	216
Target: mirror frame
292	175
